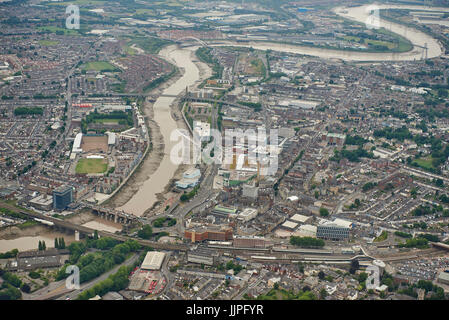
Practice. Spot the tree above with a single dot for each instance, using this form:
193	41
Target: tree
324	212
439	183
323	294
39	247
44	246
321	275
26	288
61	243
56	243
354	266
146	232
95	235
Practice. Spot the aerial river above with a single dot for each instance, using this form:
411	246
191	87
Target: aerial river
146	196
361	14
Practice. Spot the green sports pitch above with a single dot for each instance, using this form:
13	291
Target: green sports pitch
91	166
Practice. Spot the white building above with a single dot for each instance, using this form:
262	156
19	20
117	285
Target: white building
77	143
153	260
289	225
299	218
306	230
247	214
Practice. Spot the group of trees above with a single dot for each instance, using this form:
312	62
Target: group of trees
437	293
403	234
355	140
42	246
10	254
354	266
9	290
389	133
115	282
124	118
306	242
159	223
19	111
368	186
353	156
59	243
205	55
324	212
189	195
278	293
420	243
422	211
146	232
236	267
256	106
92	265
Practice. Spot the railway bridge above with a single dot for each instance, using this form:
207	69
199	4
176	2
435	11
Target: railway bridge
116	216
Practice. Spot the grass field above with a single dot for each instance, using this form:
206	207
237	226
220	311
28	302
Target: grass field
425	162
77	2
48	43
103	66
383	236
388	44
148	44
54	29
107	121
91	166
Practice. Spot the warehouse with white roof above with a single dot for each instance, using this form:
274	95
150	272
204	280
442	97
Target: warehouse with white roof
153	260
299	218
289	225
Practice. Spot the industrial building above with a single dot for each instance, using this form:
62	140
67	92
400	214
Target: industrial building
223	212
42	202
443	278
249	191
306	230
199	235
249	242
153	260
202	256
289	225
299	218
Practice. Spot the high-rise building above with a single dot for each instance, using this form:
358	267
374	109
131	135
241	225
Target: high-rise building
62	197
